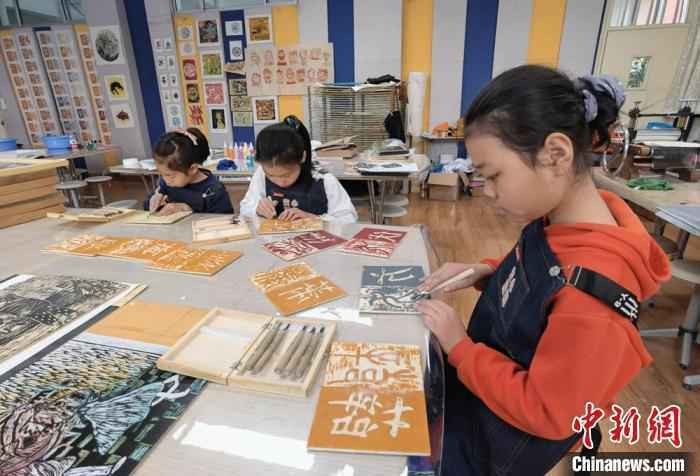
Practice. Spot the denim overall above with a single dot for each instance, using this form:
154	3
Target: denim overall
311	198
511	316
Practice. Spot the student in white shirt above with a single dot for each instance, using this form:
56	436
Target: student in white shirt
286	186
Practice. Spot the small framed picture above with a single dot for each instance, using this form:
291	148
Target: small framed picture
212	65
173	80
175	95
166	96
158	44
172	62
217	120
234	28
163	80
265	110
208	32
235	49
258	29
167	43
161	62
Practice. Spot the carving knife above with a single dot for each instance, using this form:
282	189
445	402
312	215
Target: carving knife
289	351
296	356
262	347
309	355
270	350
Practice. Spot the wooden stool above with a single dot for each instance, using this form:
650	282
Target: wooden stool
99	180
392	211
686	270
71	190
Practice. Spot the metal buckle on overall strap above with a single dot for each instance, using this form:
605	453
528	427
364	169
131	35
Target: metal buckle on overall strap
615	296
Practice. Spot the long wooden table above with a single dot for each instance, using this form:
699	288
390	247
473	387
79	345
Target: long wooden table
228	431
341	169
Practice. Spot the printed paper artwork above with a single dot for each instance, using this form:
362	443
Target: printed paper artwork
107	41
33	307
376	242
116	87
303	245
93	406
259	28
208	32
295	288
372	401
265	110
288	70
390	289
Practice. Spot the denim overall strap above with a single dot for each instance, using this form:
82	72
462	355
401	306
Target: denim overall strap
310	198
510	317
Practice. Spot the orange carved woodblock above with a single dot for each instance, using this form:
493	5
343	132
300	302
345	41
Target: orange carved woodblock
195	261
71	245
282	276
372	401
270	227
301	295
143	249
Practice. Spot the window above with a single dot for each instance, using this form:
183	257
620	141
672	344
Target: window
40	12
628	13
8	13
638	72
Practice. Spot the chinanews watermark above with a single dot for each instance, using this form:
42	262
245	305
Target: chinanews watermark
660	426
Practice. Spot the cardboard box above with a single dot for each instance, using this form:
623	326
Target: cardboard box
444	187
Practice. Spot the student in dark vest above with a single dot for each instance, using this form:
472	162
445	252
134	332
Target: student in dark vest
183	184
555	325
286	186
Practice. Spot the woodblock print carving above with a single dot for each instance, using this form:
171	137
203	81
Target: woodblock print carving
147	218
40	305
302	295
379	249
390	289
266	281
303	245
291	249
378	234
72	245
269	227
321	239
372	401
88	408
143	249
219	230
388	300
102	245
195	261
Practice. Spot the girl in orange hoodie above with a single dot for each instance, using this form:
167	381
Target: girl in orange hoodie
555	326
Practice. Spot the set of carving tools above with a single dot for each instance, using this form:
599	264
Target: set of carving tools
296	359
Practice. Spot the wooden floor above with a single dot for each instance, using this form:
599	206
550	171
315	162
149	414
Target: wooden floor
468	230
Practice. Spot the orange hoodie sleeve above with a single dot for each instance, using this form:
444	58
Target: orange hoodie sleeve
494	263
585	354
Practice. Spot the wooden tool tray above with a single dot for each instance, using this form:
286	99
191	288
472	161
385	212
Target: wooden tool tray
219	346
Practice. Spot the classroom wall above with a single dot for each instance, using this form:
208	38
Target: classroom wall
460	44
134	141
